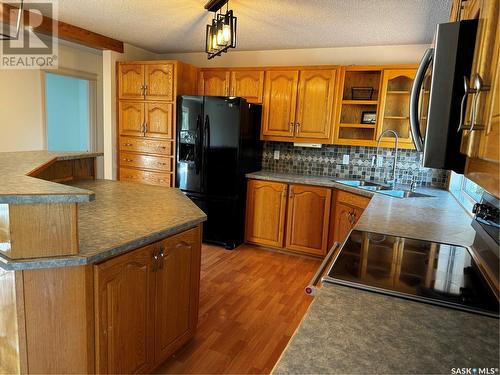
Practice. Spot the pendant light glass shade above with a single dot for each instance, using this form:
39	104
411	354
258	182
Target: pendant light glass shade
221	34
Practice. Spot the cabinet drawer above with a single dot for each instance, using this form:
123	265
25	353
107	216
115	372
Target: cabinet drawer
159	163
352	199
144	177
146	145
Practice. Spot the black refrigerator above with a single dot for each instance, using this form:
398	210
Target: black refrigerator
217	144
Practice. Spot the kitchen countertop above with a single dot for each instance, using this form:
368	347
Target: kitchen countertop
347	330
123	217
351	331
405	217
17	187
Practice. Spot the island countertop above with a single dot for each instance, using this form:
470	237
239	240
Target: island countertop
124	216
18	187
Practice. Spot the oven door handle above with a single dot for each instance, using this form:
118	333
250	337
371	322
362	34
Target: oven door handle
310	289
418	138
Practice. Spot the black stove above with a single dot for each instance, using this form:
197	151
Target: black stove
436	273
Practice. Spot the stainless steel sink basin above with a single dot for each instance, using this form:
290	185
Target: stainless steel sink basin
404	194
368	185
382	189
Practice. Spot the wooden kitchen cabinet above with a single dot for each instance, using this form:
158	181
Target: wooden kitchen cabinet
177	292
131	116
266	212
213	83
482	144
248	84
290	217
125	298
146	122
316	97
131	81
147	303
159	82
345	213
298	105
307	219
159	120
280	96
395	106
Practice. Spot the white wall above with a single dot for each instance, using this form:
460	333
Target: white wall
404	54
109	94
21	99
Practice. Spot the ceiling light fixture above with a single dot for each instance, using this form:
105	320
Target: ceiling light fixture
6	32
221	33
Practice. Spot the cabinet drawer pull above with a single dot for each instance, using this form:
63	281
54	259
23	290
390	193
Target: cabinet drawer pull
128	144
128	160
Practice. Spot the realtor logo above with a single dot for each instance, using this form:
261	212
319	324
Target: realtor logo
34	45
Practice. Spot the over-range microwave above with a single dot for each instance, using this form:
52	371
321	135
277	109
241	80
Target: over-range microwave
439	94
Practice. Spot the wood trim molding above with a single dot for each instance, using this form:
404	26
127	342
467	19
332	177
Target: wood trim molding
65	30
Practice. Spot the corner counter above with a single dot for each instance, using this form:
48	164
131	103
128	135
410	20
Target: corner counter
92	272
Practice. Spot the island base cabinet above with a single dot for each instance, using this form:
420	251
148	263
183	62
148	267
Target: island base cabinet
147	304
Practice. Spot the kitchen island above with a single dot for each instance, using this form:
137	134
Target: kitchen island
348	330
114	287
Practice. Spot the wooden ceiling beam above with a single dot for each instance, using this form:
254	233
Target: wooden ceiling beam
65	31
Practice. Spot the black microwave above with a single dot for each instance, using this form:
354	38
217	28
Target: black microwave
439	94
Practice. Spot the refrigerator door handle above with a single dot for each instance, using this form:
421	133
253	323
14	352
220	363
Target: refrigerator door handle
417	136
206	145
198	146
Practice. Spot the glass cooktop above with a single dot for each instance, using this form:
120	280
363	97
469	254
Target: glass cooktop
425	271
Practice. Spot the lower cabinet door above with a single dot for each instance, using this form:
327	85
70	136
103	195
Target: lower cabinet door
124	302
177	292
308	218
346	218
266	210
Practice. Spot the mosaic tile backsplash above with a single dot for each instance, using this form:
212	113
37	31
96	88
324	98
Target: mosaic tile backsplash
327	161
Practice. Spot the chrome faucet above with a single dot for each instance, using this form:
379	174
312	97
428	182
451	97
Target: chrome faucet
394	166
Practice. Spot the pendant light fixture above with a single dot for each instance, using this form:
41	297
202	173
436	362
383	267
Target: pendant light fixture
221	33
5	28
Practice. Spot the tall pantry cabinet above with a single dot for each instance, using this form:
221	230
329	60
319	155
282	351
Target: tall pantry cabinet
147	93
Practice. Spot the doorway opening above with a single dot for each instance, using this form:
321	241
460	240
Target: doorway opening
69	112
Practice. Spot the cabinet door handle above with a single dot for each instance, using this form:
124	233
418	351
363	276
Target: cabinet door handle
145	128
291	127
141	91
284	193
155	261
479	87
145	90
161	256
298	127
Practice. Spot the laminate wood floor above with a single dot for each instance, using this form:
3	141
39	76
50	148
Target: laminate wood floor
251	302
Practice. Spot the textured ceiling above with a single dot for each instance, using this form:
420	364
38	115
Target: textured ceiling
179	25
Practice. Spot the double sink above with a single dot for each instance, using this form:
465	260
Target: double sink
382	189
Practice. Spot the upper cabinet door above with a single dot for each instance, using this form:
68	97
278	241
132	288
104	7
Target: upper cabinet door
485	66
124	305
131	118
315	104
395	103
159	120
248	84
131	81
159	82
308	218
280	97
214	83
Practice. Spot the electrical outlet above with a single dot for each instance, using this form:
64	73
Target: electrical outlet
345	159
276	154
